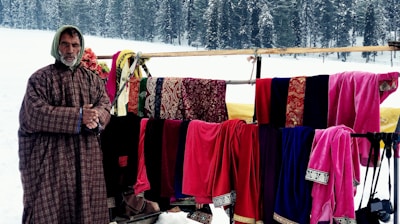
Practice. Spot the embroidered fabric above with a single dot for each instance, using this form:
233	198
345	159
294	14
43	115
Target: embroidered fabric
225	199
317	176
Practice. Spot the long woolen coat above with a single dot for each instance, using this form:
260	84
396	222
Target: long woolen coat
61	163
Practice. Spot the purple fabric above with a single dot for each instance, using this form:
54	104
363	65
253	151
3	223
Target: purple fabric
270	164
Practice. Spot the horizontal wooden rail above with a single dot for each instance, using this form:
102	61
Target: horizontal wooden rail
261	51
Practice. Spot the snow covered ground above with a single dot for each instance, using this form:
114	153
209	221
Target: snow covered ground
23	51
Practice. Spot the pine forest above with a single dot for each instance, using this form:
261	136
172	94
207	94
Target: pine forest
217	24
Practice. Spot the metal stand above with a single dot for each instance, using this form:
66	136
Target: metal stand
396	173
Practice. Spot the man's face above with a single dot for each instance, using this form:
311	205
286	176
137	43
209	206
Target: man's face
69	49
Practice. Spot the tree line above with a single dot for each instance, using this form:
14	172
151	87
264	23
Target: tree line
217	24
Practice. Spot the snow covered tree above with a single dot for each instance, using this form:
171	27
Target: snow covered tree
113	18
96	16
382	26
178	20
225	26
324	15
216	24
14	13
392	14
1	13
308	24
282	14
195	22
143	20
242	37
343	21
164	22
126	23
102	9
67	13
211	17
370	37
31	19
266	26
190	21
84	17
296	24
254	17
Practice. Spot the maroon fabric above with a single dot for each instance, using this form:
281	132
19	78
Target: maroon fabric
61	167
170	144
204	99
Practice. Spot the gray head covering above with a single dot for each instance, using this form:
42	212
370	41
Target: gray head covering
56	42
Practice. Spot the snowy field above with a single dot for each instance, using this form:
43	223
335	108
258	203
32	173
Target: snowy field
23	52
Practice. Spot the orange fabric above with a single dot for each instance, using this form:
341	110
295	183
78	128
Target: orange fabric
133	101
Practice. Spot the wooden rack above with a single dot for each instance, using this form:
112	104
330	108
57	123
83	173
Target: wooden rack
392	46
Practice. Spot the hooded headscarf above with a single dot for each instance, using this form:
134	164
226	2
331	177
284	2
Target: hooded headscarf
56	42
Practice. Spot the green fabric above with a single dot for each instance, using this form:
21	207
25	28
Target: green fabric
56	42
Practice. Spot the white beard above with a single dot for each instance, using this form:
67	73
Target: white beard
67	63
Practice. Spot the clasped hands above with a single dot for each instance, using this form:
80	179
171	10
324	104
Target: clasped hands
90	116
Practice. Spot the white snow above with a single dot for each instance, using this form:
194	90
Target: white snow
24	51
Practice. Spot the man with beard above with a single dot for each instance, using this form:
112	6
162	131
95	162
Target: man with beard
64	109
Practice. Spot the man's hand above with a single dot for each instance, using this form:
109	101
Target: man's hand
90	117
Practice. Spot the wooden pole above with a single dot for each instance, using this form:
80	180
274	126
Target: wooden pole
260	51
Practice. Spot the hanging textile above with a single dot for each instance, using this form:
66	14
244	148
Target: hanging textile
150	102
354	101
204	99
142	182
248	203
170	143
224	163
134	90
179	160
270	165
388	120
119	142
122	78
293	197
157	99
240	111
153	160
290	102
235	167
295	101
279	94
334	167
316	102
200	142
263	100
171	98
111	84
142	97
